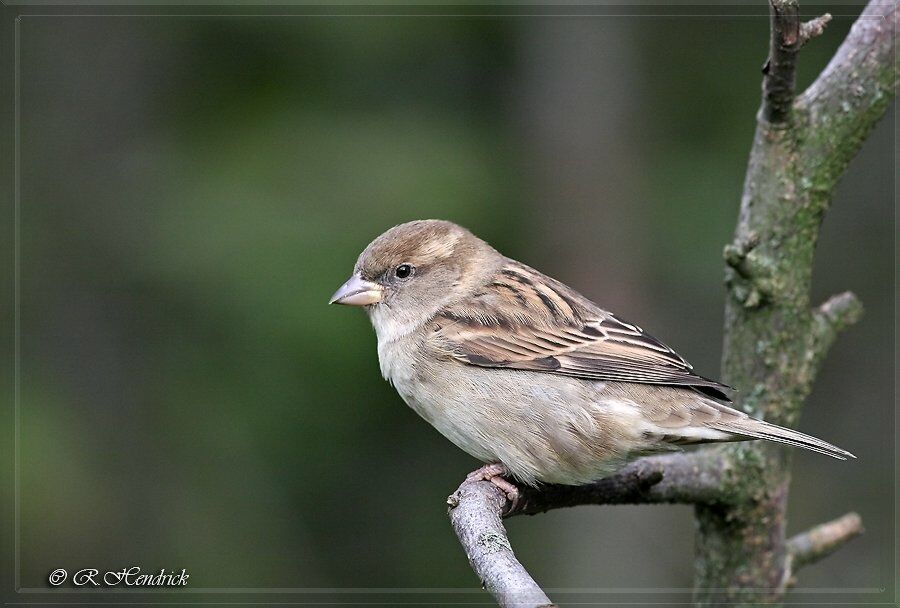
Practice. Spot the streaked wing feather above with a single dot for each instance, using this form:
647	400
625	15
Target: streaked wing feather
558	331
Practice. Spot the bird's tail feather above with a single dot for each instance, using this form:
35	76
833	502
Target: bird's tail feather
758	429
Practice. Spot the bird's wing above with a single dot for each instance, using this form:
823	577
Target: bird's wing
546	327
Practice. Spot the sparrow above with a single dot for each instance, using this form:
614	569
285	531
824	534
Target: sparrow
526	374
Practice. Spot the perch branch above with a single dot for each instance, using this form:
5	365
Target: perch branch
688	478
819	542
476	509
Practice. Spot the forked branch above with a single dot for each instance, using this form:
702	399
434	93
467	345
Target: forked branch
477	507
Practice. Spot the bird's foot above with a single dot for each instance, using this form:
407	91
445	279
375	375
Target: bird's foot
495	473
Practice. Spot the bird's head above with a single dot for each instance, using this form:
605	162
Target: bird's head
413	270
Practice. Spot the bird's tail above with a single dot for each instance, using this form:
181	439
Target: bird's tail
751	428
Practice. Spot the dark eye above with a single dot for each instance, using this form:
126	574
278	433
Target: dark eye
403	271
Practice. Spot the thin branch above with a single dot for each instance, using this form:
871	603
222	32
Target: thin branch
475	510
835	315
813	27
781	67
851	94
840	311
832	317
689	478
819	542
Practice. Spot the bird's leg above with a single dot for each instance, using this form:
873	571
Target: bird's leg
494	473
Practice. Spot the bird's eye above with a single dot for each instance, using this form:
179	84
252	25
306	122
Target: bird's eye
403	271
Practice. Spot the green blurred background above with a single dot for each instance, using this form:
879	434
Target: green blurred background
193	189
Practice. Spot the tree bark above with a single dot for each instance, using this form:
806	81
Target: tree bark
475	511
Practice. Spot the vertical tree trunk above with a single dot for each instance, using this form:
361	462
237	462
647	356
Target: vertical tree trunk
774	341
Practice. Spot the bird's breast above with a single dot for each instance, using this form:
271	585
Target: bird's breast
397	360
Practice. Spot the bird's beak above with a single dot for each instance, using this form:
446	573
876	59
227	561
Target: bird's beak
358	292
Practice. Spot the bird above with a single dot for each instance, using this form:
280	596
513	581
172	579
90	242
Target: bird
524	373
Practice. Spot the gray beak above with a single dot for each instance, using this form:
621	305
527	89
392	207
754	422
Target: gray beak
357	292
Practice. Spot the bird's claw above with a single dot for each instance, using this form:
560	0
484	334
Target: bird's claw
494	473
